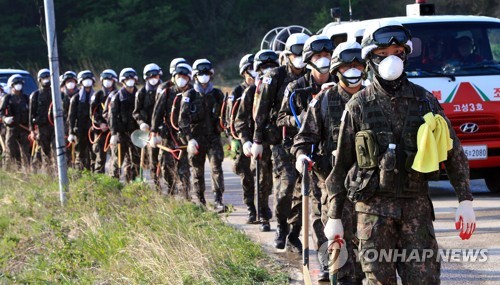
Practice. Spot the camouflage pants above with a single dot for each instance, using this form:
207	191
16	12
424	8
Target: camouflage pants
46	140
241	167
129	158
184	175
18	146
82	152
209	147
284	181
409	230
99	152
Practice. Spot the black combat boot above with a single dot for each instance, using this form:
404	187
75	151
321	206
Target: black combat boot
293	243
281	233
201	199
252	215
265	215
218	205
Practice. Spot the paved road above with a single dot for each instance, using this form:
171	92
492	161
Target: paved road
487	235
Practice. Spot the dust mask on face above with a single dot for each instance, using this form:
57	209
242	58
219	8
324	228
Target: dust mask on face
391	68
87	83
352	77
107	83
180	82
253	73
298	63
18	87
153	81
46	82
130	82
70	85
203	79
322	65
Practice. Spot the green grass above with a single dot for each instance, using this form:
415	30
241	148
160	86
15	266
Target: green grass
114	234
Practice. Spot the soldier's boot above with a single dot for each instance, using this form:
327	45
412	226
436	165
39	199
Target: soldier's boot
281	233
201	199
265	216
218	205
252	213
293	243
324	272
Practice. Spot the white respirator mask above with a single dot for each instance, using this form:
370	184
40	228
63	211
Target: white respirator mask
353	77
130	82
70	85
153	81
298	63
18	87
253	73
87	82
391	68
107	83
180	82
203	79
322	65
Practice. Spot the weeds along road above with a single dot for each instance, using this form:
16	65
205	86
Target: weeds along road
487	235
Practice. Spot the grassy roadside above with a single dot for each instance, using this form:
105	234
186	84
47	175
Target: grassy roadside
110	234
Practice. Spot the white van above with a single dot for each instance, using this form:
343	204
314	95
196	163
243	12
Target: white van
467	86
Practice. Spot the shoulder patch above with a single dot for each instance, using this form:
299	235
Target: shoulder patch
267	80
343	115
313	102
185	99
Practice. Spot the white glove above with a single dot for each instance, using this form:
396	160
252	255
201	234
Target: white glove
299	163
103	127
192	147
144	127
247	149
72	138
113	140
334	229
256	150
8	120
465	220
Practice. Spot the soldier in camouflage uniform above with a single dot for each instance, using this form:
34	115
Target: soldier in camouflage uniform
122	124
14	113
241	164
68	84
199	122
317	54
164	129
320	128
268	98
41	127
99	103
244	127
145	100
392	201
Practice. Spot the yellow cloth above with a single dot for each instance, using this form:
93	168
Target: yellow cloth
433	143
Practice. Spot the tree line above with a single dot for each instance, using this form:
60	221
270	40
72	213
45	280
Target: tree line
121	33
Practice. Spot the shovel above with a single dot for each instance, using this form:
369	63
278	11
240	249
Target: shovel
305	222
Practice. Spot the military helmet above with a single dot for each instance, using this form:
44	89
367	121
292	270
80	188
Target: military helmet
150	70
67	75
174	63
184	69
202	66
127	73
383	33
109	74
85	74
346	52
43	73
314	45
295	44
265	56
245	62
15	79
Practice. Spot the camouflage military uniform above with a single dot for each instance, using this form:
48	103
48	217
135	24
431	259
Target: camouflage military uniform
145	100
393	207
268	98
16	139
199	119
99	102
165	111
320	127
241	165
122	124
40	101
79	125
66	99
244	126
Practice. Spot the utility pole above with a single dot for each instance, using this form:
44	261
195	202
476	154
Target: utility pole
56	99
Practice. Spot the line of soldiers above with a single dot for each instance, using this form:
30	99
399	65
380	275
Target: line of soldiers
313	111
